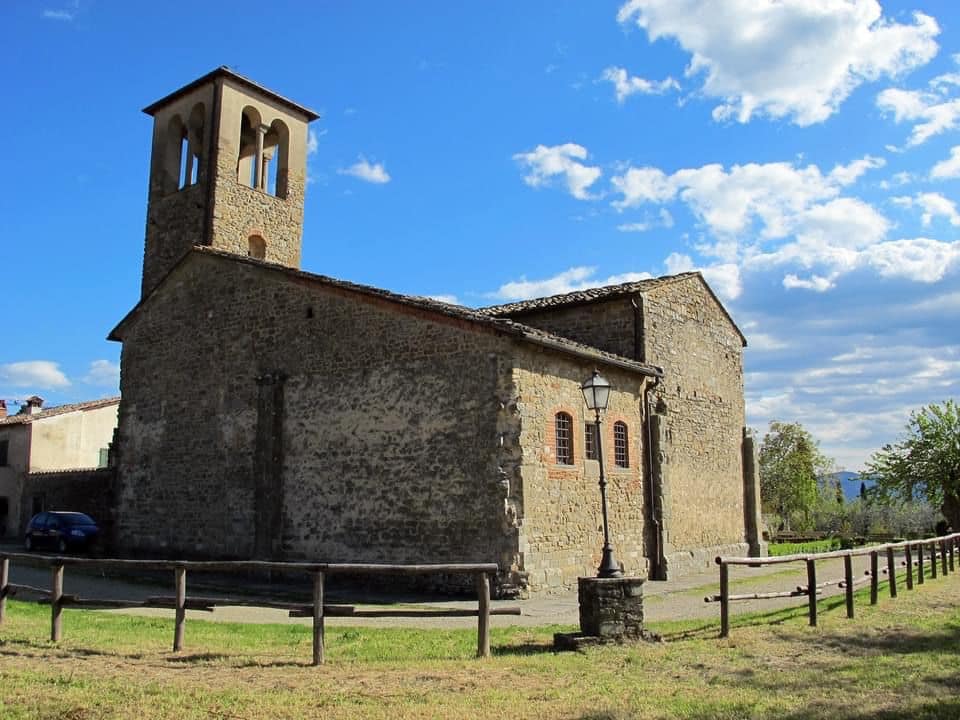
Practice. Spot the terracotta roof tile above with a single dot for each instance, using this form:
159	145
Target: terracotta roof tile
586	295
24	419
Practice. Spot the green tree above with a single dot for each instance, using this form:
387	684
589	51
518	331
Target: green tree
790	463
926	462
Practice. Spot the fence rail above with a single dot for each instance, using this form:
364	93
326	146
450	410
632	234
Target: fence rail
941	551
181	602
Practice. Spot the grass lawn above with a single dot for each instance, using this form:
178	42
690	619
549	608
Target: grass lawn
898	660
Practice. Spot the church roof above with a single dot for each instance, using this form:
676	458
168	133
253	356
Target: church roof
224	72
474	317
598	294
25	418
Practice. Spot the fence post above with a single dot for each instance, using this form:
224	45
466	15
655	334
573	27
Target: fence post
933	560
909	558
812	590
874	579
318	620
724	599
920	568
180	590
951	543
56	602
848	582
483	615
4	579
891	572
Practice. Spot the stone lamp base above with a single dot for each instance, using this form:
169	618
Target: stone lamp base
611	611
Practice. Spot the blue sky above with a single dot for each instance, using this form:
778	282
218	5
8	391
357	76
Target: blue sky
804	155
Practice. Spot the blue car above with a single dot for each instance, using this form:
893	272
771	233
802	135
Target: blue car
61	531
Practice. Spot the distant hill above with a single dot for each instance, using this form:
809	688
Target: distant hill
850	482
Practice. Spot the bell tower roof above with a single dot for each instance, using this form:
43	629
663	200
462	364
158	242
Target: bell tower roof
245	83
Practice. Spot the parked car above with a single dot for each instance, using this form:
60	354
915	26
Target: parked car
61	531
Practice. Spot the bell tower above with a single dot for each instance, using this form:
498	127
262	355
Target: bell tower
228	171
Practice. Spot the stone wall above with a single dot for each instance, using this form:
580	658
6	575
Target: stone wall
561	531
88	491
340	427
701	397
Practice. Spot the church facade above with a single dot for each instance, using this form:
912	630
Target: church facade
270	412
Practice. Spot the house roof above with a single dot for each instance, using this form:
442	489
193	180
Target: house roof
224	72
598	294
511	327
25	419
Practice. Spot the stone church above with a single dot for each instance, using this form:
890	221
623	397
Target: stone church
271	412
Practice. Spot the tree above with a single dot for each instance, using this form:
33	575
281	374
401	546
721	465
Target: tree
926	462
790	463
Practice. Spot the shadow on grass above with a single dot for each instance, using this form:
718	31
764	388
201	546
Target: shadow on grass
523	649
198	658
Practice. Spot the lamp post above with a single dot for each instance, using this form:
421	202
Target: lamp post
596	393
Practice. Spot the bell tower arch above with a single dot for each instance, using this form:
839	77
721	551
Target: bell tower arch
227	171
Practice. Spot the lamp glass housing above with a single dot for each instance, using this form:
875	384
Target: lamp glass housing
596	391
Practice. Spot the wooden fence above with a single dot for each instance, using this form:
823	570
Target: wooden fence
947	545
180	602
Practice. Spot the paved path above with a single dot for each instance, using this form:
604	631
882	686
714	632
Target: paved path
680	599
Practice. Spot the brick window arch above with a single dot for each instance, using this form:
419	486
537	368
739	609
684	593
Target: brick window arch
621	452
563	425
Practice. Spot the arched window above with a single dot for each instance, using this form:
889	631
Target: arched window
256	247
564	430
263	161
621	453
174	152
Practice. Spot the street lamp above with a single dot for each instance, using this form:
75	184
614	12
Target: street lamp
596	393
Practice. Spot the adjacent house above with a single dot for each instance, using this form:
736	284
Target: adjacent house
37	443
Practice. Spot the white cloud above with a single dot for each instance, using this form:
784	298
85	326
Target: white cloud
933	205
949	168
39	374
366	171
763	342
561	162
626	85
930	113
850	173
729	202
814	282
576	278
920	259
724	278
792	59
103	372
62	15
313	141
662	219
759	216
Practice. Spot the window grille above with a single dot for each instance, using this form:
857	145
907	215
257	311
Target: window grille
564	428
590	441
621	454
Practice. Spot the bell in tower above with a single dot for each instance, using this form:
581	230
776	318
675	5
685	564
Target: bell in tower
228	171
